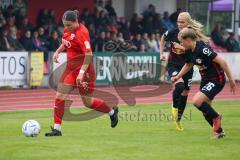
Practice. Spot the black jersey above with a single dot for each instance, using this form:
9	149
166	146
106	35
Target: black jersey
203	57
173	58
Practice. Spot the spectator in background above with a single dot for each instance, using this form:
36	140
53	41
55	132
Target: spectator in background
158	25
142	48
25	26
120	37
13	41
43	17
232	44
145	41
123	28
113	37
148	24
54	41
137	41
10	22
20	6
26	41
100	6
108	36
93	35
101	40
174	16
2	19
52	24
86	17
158	39
152	43
110	9
39	46
217	36
150	11
4	41
42	37
101	21
135	25
9	12
166	21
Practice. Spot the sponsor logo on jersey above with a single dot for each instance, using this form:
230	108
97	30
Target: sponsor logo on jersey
207	51
87	44
72	36
198	61
66	43
174	73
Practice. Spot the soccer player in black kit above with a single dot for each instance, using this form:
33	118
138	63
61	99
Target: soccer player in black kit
176	62
211	67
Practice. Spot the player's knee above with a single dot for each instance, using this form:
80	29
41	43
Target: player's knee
60	96
196	102
179	87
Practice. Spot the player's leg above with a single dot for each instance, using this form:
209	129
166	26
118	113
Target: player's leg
59	105
182	103
86	92
187	78
101	106
178	88
176	95
202	100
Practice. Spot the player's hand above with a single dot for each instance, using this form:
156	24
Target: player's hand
177	45
232	86
55	57
162	57
175	78
79	80
179	48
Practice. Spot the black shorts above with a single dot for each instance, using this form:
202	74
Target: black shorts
211	88
173	70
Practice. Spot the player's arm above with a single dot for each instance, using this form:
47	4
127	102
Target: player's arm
219	60
162	47
86	48
60	49
187	67
87	60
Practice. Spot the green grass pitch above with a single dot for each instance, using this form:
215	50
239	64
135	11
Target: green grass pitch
139	136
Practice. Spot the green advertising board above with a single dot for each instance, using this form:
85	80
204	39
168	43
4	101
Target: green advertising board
127	68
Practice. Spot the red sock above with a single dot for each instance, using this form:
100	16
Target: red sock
58	111
100	105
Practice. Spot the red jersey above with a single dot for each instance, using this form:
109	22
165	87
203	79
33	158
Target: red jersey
77	44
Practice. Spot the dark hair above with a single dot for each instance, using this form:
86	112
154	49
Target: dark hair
70	15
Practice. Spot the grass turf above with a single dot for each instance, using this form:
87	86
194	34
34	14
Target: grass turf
141	134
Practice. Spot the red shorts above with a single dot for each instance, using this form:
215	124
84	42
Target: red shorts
69	78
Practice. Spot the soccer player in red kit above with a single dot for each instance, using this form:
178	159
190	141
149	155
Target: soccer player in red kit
79	72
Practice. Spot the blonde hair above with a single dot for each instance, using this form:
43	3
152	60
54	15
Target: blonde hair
188	33
195	25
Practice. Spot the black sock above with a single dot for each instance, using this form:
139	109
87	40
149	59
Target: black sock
210	122
179	87
181	106
208	112
175	99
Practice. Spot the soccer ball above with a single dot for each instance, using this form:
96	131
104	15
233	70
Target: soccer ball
31	128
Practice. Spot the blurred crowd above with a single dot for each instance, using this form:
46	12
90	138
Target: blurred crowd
142	32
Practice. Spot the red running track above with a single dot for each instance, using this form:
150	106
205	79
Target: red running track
12	100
